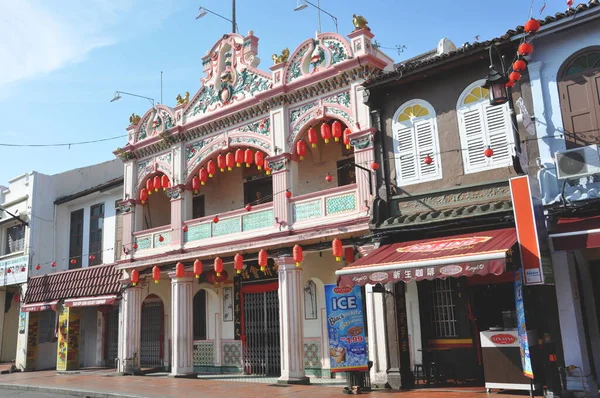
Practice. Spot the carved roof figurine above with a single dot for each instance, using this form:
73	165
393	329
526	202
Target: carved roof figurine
183	100
134	119
277	59
360	22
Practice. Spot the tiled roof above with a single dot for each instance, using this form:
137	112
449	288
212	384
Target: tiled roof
469	48
83	282
429	217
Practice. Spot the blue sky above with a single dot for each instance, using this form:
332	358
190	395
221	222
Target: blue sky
62	60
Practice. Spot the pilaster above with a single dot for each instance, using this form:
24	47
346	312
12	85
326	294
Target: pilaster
281	182
182	327
130	329
377	337
127	209
364	156
177	214
291	322
394	380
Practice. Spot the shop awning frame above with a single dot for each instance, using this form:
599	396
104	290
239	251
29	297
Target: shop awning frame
37	307
91	301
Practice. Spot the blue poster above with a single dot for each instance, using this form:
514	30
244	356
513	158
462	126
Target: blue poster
522	327
345	323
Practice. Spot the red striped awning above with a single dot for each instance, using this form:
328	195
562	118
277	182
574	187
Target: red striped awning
576	233
36	307
479	253
91	301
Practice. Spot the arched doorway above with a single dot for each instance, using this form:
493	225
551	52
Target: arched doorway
579	88
151	344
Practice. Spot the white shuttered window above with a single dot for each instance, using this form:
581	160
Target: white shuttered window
482	125
415	137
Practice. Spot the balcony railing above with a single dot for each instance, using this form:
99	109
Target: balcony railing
151	238
233	222
333	202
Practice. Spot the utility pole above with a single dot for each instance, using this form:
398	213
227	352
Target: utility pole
233	24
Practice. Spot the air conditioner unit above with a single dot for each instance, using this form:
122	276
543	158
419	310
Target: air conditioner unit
578	162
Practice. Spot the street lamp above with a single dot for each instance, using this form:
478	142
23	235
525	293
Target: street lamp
496	81
305	3
202	11
118	97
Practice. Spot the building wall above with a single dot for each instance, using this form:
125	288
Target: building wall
9	331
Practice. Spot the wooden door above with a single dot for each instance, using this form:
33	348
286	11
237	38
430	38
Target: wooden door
579	89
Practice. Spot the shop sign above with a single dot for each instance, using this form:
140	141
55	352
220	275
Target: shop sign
503	338
444	244
522	326
346	329
13	270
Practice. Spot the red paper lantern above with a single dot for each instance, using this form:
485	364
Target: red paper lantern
248	157
156	273
164	181
267	168
263	258
185	228
92	257
22	270
9	271
216	219
239	157
179	270
203	176
135	277
144	195
211	167
525	49
347	133
375	166
218	266
288	194
156	183
326	132
134	246
427	160
489	152
238	263
259	159
221	162
312	137
519	65
336	130
229	161
161	238
248	207
54	263
298	255
149	186
328	177
349	255
198	268
73	261
38	267
510	84
301	149
195	184
532	26
514	76
338	249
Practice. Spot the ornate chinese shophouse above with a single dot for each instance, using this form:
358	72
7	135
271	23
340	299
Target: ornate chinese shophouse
232	201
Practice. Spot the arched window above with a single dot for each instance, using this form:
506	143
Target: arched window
481	125
415	137
200	315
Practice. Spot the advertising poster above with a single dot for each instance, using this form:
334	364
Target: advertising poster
346	329
521	325
63	339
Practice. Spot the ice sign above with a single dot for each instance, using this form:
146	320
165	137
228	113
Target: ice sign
343	303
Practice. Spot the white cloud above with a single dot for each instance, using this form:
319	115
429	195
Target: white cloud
40	36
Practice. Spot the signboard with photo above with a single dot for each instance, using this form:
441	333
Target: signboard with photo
346	329
522	326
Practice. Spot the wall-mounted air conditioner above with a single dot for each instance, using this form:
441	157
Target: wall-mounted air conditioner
578	162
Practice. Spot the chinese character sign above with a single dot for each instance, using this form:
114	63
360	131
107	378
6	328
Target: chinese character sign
346	329
522	327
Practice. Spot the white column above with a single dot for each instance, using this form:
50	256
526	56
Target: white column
571	321
377	336
130	329
290	322
182	315
2	304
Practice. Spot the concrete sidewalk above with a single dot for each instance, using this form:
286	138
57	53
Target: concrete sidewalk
102	384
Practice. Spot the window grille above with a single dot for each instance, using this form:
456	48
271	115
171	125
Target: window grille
47	326
15	239
443	316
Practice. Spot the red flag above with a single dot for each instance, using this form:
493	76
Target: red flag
569	3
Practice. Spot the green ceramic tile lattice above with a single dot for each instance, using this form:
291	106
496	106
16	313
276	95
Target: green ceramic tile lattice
204	353
340	204
257	220
166	241
197	232
144	242
307	210
226	227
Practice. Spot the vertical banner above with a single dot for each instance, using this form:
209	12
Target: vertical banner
346	329
32	341
522	326
531	231
63	338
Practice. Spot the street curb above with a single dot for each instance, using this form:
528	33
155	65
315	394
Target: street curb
71	393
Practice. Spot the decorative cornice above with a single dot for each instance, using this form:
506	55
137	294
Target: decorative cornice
175	192
279	163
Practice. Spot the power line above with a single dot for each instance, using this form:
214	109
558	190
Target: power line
69	144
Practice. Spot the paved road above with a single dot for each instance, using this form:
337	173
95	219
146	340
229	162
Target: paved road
26	394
